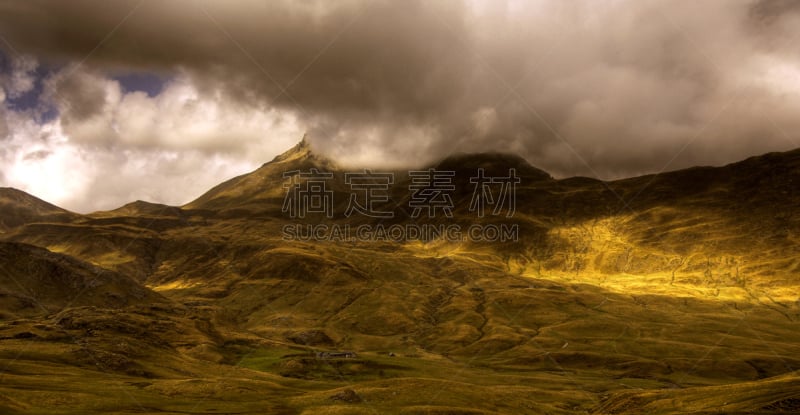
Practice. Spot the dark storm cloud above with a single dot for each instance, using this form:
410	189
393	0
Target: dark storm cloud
81	99
577	87
767	11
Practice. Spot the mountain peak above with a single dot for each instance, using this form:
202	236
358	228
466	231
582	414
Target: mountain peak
300	151
303	155
18	208
264	182
493	163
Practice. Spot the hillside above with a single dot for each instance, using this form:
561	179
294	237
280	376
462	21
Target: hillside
38	282
19	208
674	293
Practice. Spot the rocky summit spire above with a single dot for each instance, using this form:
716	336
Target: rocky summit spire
299	151
265	182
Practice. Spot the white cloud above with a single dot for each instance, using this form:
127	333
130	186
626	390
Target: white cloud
181	117
169	148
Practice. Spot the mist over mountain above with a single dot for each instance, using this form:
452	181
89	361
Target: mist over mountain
156	101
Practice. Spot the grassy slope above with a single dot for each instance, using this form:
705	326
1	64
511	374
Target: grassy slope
682	301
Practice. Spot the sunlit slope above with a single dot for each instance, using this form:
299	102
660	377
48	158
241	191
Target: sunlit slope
402	298
674	293
467	334
261	190
733	226
771	396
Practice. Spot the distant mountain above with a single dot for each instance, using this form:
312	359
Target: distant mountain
262	191
493	164
142	208
18	208
654	221
668	293
258	190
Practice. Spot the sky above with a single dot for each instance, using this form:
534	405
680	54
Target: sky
107	102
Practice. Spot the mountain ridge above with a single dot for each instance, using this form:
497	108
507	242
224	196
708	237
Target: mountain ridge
665	291
18	208
302	157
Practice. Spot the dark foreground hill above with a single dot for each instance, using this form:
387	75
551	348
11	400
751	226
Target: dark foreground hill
674	293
